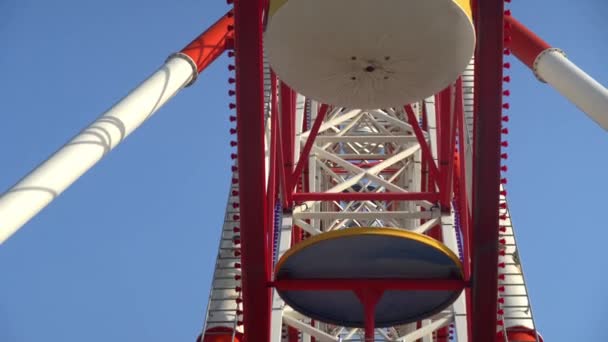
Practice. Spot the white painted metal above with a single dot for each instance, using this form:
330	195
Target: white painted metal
369	139
468	88
371	215
390	63
34	192
222	304
223	308
439	322
423	228
290	319
267	117
590	96
429	104
426	331
337	120
314	171
517	308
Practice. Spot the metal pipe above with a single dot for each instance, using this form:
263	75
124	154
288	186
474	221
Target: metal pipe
45	183
257	298
365	196
486	168
550	65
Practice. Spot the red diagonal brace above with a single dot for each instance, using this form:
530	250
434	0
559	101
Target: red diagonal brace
426	151
308	146
280	149
369	298
287	122
446	123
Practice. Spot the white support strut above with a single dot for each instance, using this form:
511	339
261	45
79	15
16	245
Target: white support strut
586	93
41	186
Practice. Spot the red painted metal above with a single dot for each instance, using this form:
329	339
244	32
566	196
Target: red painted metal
210	44
297	232
441	335
314	131
428	163
272	189
426	151
442	123
355	284
446	135
521	334
220	334
366	196
284	188
424	169
458	110
293	335
369	299
524	44
255	255
486	167
463	213
288	107
280	150
460	187
287	123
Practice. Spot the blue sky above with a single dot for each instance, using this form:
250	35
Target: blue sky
126	254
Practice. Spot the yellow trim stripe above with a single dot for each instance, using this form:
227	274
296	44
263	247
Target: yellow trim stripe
274	6
466	7
399	233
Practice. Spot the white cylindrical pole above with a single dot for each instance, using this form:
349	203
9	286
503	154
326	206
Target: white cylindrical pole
551	66
590	96
36	190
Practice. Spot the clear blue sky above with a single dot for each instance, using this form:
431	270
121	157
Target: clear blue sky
127	253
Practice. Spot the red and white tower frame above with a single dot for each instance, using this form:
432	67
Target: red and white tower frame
307	170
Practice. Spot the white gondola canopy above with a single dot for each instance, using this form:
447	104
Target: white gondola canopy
369	53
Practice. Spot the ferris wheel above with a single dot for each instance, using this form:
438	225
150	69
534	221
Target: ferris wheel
366	199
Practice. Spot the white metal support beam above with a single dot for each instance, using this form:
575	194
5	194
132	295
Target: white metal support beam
45	183
335	121
277	303
428	329
321	336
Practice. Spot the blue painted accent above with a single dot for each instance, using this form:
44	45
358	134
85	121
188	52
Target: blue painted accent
369	257
278	210
458	228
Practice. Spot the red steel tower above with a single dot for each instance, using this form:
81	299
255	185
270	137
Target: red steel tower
366	200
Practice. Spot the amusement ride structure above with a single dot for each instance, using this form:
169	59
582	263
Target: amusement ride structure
366	200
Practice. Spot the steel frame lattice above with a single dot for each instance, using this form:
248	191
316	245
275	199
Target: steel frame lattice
354	161
304	168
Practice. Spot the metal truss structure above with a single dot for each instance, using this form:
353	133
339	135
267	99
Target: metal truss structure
305	168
